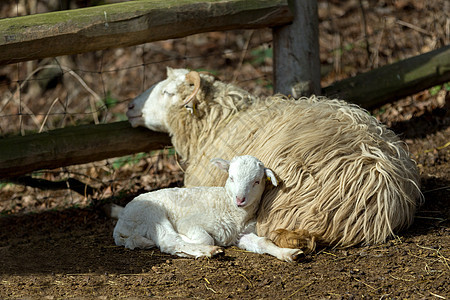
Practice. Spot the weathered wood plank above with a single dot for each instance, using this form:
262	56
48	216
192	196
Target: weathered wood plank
395	81
75	145
130	23
296	52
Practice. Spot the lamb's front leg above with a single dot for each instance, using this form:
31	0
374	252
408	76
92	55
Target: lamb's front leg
252	242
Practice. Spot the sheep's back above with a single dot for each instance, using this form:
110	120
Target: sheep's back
345	177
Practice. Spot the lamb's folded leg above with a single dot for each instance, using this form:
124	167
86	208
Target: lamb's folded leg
252	242
195	235
170	241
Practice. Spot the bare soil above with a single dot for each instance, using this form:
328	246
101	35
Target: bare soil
58	244
71	253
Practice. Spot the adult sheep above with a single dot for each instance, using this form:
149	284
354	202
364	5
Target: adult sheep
345	178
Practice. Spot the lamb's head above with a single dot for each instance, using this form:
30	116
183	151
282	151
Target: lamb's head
246	178
151	107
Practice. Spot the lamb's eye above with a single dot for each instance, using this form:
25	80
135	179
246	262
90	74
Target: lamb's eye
168	93
231	179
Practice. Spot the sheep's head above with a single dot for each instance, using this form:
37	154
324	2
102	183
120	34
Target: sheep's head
150	108
246	178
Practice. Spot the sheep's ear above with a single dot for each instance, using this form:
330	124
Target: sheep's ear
169	72
271	176
222	164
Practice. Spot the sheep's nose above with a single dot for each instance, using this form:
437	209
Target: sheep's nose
240	200
131	105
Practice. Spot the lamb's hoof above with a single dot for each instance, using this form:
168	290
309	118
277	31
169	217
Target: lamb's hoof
217	251
292	255
298	255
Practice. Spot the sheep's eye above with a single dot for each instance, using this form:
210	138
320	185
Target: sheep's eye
168	93
256	182
231	179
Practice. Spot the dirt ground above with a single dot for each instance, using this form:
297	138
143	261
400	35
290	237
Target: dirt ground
57	244
70	253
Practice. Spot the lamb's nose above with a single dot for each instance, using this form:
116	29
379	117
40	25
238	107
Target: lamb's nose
131	105
240	200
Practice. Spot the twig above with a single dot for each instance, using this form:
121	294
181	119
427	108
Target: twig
376	52
447	31
421	257
335	294
208	288
414	27
397	278
242	275
368	285
430	218
398	238
437	148
138	274
363	15
302	288
71	183
427	248
178	163
244	53
77	174
94	113
444	259
46	115
437	189
439	296
427	268
329	253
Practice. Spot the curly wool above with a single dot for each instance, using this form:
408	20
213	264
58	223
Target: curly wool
346	178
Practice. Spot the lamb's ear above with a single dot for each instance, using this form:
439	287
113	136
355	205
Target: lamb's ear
222	164
271	176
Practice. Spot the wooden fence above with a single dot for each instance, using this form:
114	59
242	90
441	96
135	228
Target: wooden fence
294	23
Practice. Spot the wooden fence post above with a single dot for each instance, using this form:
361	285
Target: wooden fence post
296	52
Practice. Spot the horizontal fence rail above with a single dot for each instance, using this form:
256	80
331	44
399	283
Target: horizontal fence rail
130	23
394	81
75	145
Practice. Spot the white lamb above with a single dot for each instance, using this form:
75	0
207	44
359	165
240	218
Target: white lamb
196	222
